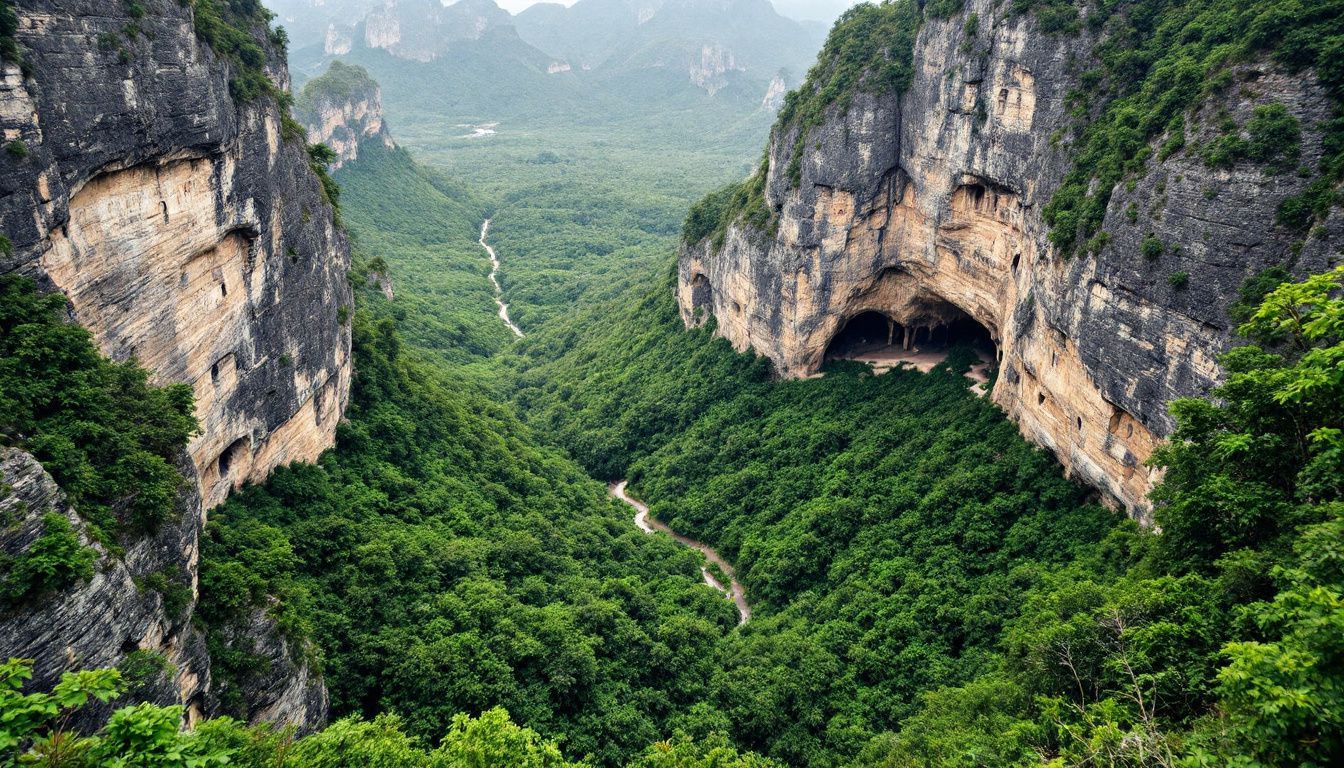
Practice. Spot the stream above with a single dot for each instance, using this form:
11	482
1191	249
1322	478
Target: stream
494	280
648	523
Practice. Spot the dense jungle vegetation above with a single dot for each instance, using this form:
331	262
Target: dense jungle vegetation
928	589
1075	636
109	439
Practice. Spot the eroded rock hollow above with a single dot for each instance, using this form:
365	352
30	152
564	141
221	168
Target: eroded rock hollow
187	230
926	207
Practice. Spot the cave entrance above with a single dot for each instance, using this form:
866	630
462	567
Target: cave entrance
965	331
922	342
864	333
702	296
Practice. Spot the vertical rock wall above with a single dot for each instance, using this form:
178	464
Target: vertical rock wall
187	231
926	207
342	109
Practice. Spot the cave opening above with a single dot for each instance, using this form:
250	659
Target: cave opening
865	332
965	331
923	341
230	456
702	295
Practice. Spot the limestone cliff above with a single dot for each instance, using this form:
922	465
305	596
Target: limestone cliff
163	194
423	30
925	205
341	109
128	605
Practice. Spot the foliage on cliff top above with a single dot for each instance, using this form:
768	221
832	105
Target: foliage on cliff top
238	30
338	84
107	436
1159	60
870	48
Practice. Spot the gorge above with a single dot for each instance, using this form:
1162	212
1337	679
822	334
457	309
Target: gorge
991	416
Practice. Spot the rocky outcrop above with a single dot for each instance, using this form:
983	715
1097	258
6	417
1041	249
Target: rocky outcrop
280	686
774	94
926	207
711	70
342	109
423	30
189	232
125	606
338	40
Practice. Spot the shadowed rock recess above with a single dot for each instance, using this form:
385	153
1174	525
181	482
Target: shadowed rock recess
926	206
188	231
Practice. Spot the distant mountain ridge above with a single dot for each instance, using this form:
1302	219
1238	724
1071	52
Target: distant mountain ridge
706	38
710	44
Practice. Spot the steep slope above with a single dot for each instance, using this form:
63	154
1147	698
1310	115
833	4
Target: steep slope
1094	211
704	41
153	179
342	109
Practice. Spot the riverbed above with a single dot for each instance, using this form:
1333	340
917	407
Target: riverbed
649	524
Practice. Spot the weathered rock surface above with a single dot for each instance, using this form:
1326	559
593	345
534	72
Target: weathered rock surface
926	207
97	623
423	30
283	688
188	232
341	109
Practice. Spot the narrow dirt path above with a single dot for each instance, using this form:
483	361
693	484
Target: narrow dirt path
494	280
648	523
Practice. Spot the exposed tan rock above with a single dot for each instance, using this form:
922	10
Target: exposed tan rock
342	109
926	207
188	233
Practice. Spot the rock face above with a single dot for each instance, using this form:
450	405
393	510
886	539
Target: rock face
187	231
774	94
423	30
710	71
283	689
98	623
341	109
926	207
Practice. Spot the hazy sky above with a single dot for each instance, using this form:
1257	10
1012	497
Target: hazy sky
819	10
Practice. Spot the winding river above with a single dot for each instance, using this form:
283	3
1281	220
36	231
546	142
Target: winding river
648	523
494	280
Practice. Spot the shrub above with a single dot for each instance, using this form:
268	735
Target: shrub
1178	280
1276	137
1151	248
1162	58
55	561
108	438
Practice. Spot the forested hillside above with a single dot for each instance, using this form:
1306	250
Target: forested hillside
927	587
928	591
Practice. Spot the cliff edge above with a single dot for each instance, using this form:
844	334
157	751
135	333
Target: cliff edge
153	176
928	192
